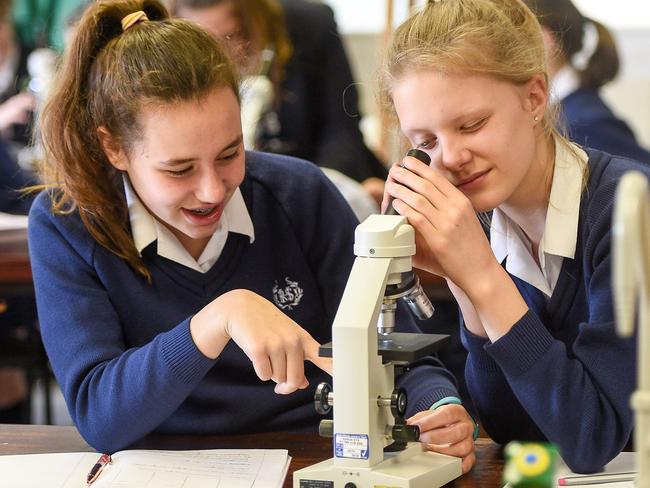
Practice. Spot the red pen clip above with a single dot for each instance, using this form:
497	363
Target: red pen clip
96	470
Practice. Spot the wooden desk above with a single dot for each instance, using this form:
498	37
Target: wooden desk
305	449
15	271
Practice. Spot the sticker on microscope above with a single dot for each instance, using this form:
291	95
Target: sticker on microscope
351	446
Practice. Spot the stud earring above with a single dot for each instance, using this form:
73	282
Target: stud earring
536	118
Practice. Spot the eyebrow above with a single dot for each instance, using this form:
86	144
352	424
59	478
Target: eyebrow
180	161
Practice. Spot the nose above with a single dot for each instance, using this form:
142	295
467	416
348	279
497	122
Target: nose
211	187
452	153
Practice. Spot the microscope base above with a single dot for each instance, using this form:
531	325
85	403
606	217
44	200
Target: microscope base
411	468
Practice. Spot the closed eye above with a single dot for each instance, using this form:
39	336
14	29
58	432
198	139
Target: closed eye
473	127
179	173
231	155
428	144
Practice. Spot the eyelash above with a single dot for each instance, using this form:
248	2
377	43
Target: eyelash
467	129
179	173
476	126
182	172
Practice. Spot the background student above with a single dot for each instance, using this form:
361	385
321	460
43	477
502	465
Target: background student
468	82
582	57
176	274
314	112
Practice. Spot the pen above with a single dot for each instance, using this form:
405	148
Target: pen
596	479
96	470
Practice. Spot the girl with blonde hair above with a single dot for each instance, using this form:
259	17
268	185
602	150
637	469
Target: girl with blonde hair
467	80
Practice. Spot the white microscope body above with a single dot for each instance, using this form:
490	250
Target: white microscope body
364	382
631	277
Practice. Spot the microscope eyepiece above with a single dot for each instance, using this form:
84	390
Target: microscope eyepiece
417	154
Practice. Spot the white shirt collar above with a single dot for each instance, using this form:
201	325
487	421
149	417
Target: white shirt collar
565	82
560	230
146	229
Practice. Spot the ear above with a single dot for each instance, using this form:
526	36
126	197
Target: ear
112	148
535	95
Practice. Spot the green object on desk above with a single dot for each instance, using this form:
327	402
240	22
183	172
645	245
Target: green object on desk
530	465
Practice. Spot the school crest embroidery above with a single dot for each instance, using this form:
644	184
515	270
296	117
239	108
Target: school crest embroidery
288	296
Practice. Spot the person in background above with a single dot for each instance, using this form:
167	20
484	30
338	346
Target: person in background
16	103
582	58
468	82
182	282
312	107
16	312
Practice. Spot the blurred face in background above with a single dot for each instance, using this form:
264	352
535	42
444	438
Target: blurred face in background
223	21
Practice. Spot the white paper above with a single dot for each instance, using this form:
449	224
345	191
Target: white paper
232	468
624	462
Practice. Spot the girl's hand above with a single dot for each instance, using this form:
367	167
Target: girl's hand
16	109
448	430
276	345
449	238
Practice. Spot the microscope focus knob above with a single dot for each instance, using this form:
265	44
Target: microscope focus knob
398	403
321	398
405	433
326	428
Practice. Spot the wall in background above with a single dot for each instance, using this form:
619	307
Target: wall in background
362	23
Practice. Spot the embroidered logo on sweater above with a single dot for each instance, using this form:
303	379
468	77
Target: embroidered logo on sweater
289	296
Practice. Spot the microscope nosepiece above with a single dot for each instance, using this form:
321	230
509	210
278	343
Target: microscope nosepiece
419	302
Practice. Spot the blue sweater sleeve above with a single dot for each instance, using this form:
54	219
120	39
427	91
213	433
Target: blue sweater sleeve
531	385
110	402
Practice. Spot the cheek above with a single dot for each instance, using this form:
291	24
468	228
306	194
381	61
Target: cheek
234	175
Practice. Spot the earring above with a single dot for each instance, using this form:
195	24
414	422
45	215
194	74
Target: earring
536	118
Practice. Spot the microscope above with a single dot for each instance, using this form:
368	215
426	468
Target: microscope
373	446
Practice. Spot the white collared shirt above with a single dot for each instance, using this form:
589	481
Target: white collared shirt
565	82
146	229
560	235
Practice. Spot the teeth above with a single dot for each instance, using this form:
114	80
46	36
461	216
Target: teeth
202	211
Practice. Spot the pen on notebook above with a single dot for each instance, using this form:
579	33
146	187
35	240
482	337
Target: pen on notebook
596	479
96	470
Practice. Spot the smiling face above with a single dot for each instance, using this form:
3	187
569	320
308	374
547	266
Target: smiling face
187	164
480	132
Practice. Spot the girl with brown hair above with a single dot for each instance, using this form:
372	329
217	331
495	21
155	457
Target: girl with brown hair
172	268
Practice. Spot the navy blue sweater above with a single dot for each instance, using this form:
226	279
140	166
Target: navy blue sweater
121	348
562	373
591	123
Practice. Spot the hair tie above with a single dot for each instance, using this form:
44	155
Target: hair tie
590	38
132	19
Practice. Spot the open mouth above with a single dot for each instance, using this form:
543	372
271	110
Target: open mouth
202	212
203	215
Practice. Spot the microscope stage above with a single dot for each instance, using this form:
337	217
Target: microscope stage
401	346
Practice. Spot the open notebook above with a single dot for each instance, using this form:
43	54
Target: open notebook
234	468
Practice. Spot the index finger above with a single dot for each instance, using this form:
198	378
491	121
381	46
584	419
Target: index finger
311	354
438	418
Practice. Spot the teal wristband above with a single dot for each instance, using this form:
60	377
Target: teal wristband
451	400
